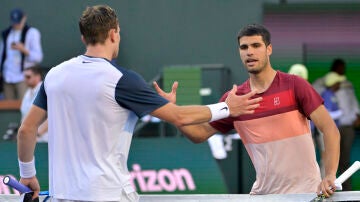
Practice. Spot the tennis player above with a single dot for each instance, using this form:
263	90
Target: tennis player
277	136
92	107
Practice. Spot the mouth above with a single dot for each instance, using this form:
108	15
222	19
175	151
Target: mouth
250	62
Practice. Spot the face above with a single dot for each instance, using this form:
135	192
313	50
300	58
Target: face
31	79
20	25
254	53
336	86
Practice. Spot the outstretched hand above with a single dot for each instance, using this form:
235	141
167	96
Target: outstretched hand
171	97
242	104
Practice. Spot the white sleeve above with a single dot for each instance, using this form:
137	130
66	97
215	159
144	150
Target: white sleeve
33	44
336	114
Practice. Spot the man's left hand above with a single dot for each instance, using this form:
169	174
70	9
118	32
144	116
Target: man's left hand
327	186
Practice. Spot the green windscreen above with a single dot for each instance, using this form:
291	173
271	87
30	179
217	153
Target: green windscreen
189	78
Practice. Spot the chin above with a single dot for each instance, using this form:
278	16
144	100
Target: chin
254	70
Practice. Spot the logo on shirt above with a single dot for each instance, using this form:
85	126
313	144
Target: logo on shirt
276	101
85	62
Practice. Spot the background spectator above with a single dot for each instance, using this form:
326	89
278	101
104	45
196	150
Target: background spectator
20	48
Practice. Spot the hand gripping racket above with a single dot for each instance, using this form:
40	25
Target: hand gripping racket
23	189
341	179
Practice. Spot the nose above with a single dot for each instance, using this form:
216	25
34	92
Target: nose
250	51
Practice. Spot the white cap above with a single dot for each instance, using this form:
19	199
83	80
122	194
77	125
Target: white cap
300	70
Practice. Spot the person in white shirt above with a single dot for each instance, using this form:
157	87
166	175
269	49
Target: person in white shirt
20	48
33	80
92	106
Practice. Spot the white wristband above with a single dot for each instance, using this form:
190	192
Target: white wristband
27	169
219	111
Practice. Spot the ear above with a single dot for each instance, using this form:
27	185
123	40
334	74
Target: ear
269	49
82	39
112	35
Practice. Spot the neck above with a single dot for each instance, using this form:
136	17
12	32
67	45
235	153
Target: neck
99	51
34	85
262	81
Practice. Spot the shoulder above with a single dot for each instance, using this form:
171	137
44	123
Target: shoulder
286	77
33	31
61	66
5	31
292	79
128	74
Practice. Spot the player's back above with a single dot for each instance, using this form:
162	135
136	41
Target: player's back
89	132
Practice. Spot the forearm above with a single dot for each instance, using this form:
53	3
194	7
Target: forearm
332	149
198	133
183	115
26	141
327	126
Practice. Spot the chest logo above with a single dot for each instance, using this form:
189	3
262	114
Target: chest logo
276	101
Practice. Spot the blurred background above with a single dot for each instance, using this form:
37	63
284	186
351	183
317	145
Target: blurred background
193	42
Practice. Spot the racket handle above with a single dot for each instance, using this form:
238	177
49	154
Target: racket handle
16	185
350	171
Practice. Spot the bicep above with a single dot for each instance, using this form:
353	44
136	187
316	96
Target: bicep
35	117
322	119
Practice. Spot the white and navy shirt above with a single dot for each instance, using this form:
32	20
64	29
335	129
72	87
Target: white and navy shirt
92	108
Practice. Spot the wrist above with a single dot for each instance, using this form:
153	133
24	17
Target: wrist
219	111
27	169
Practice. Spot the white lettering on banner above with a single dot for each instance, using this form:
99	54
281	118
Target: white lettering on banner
4	189
162	180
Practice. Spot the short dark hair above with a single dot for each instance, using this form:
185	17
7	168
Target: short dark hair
95	23
255	30
337	63
35	69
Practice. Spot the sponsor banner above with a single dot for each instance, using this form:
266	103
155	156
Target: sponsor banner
156	165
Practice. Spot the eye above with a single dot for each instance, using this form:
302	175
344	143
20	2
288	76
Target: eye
243	47
256	45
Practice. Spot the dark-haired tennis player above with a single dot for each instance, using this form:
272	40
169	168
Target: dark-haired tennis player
277	136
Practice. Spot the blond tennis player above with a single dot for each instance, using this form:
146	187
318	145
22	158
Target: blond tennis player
92	107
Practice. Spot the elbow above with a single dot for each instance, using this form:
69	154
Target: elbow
24	133
35	58
195	138
20	133
198	140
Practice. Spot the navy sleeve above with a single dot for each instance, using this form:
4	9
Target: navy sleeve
41	98
133	93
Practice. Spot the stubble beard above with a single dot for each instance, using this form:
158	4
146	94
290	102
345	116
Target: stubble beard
258	69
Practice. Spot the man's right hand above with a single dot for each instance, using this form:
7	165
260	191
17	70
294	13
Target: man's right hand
171	96
242	104
33	184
